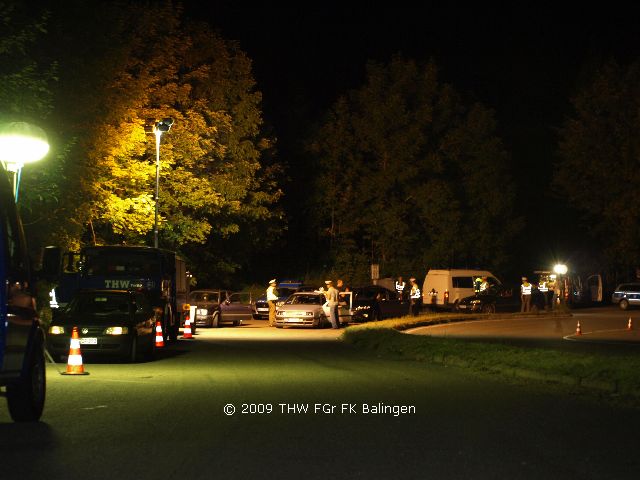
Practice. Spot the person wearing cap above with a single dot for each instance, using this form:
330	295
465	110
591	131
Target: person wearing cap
272	298
332	299
414	297
525	295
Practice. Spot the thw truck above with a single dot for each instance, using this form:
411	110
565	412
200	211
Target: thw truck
162	274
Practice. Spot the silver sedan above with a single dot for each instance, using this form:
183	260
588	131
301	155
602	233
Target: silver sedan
303	309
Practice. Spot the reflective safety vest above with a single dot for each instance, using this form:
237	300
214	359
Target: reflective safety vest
526	289
400	287
543	287
415	292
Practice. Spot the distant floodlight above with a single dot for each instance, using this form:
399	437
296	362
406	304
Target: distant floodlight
560	269
21	143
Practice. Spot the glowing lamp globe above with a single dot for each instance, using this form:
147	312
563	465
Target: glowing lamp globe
22	143
560	269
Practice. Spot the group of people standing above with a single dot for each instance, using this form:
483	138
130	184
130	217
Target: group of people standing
415	295
332	294
548	293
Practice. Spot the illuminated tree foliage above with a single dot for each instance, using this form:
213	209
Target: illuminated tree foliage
25	93
599	158
125	65
412	177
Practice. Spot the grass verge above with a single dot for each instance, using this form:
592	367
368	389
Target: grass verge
592	372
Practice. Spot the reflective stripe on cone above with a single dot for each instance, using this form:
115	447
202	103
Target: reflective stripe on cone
159	335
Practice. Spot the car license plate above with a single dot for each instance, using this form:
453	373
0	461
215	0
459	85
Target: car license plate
88	341
290	319
462	307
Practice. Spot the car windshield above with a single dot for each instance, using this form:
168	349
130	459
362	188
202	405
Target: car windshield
204	296
305	300
285	291
99	303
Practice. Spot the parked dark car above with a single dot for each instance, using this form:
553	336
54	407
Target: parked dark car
117	323
215	307
376	303
499	299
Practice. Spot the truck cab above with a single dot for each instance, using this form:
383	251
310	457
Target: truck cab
22	368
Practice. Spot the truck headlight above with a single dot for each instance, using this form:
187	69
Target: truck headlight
56	330
116	331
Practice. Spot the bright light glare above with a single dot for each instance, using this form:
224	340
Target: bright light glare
22	143
560	269
56	330
116	331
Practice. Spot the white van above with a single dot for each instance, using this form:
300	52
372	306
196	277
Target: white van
445	288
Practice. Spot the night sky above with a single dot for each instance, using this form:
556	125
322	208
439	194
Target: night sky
523	60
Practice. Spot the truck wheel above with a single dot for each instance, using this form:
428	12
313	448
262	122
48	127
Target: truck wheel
171	326
26	397
215	321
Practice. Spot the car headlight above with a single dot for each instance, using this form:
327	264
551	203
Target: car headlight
363	307
116	331
475	302
56	330
279	312
280	303
309	314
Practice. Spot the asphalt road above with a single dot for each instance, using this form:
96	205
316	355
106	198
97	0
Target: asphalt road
601	327
166	418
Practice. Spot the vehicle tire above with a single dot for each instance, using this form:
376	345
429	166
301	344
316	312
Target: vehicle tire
375	315
169	328
489	308
624	304
132	356
237	323
215	321
26	397
322	322
150	354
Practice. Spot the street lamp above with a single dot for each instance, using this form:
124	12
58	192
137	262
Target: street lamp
560	270
158	128
21	143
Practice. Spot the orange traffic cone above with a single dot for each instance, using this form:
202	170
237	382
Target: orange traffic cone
630	324
74	362
187	328
159	335
578	329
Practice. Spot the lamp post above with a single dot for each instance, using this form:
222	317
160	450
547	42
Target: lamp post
21	143
560	270
158	128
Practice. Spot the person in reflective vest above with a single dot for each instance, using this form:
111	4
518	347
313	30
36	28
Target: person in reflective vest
476	284
400	285
543	287
525	295
415	297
